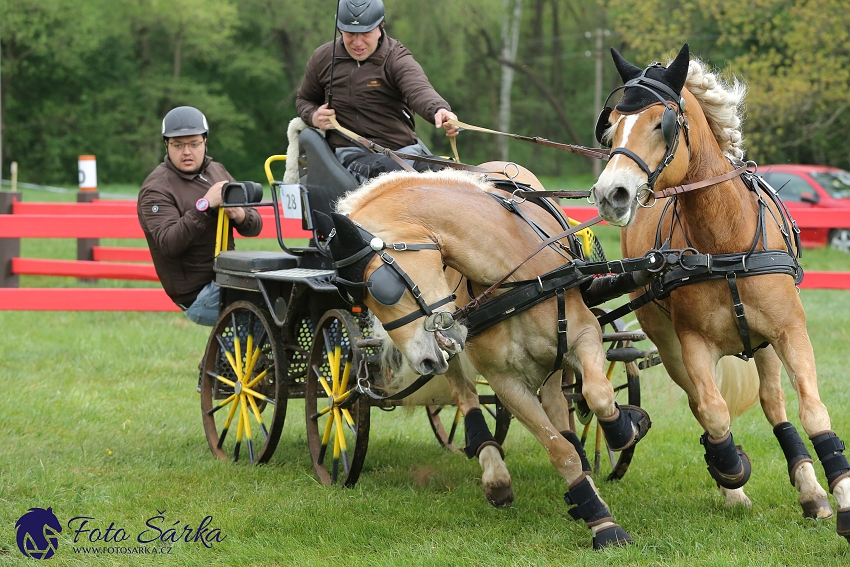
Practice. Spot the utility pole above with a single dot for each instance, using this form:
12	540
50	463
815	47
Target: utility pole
597	93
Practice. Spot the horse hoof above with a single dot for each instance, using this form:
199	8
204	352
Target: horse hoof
817	509
611	536
842	524
500	496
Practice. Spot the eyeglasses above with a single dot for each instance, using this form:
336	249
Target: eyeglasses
180	145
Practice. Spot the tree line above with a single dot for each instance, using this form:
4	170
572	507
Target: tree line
96	76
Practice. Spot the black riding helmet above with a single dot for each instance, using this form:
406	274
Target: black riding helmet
359	16
184	121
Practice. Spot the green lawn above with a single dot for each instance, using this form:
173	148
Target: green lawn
101	419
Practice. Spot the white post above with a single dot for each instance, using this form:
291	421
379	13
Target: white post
87	173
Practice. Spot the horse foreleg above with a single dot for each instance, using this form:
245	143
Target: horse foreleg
728	465
495	478
624	425
795	351
582	494
801	473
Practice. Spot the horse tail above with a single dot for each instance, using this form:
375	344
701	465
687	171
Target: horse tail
399	374
738	382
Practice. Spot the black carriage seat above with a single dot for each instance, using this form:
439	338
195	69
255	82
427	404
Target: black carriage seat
325	179
254	261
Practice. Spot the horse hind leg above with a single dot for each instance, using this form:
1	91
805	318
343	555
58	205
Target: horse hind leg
801	473
495	478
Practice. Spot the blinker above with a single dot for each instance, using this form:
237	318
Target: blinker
387	287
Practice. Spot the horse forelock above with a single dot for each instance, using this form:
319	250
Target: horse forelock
400	180
722	102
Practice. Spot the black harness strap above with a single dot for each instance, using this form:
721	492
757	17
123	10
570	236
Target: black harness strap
743	328
413	316
562	331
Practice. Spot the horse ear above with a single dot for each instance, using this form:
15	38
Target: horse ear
677	71
627	70
348	240
324	224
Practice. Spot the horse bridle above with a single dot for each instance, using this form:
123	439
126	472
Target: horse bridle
673	122
388	283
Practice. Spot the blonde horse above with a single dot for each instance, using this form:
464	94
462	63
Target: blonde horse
675	133
454	220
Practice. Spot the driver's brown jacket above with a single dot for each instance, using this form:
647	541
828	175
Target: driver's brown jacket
375	98
180	237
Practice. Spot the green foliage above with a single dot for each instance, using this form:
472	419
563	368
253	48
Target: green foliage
792	55
96	76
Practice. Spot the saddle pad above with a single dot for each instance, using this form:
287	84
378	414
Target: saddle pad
254	261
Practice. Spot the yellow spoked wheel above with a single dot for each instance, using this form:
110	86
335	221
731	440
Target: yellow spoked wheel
337	422
625	379
243	388
447	423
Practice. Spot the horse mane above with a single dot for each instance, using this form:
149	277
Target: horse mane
722	103
399	180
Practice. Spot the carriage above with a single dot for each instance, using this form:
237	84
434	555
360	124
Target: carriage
284	332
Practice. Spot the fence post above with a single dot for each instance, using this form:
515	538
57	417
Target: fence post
9	247
87	193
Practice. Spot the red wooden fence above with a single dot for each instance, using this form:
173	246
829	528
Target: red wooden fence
117	219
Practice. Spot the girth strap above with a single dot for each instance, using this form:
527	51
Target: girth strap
738	306
562	331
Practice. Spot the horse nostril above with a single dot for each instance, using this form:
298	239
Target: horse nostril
620	197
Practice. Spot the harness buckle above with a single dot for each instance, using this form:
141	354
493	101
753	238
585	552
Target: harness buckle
645	197
387	258
399	246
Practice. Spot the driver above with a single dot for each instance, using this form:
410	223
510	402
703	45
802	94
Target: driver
377	86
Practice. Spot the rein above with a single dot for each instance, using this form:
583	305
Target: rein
598	153
477	301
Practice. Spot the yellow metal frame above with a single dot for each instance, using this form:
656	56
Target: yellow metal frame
223	229
586	235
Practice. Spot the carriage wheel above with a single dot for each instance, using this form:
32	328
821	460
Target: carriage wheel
243	387
337	429
625	378
452	429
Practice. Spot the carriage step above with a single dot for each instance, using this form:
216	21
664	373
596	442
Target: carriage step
633	336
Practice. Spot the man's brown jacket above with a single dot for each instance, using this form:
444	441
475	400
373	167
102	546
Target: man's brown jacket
375	98
181	238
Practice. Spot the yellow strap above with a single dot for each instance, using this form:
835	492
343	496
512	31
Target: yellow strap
466	126
345	131
356	137
453	142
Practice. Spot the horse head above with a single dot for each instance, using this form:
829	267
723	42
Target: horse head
402	283
644	130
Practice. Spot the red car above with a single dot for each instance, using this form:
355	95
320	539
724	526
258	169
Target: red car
813	186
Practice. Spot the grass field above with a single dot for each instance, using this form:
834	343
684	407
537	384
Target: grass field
101	419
